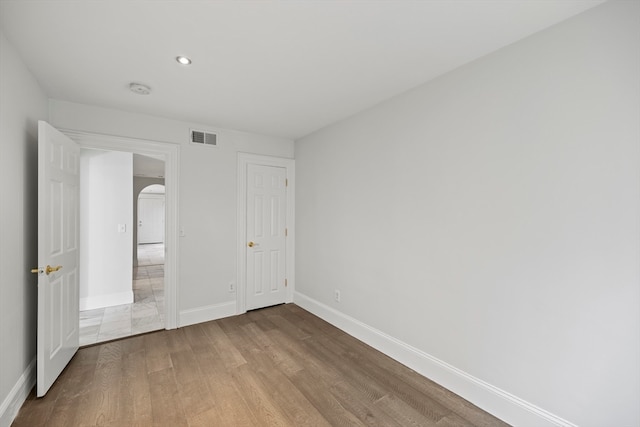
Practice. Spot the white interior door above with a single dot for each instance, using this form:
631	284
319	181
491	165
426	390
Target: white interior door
266	236
58	207
150	218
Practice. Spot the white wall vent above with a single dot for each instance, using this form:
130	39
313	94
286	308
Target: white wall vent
204	138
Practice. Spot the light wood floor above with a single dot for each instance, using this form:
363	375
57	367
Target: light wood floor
280	366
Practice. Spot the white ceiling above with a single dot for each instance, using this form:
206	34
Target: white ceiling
280	68
147	166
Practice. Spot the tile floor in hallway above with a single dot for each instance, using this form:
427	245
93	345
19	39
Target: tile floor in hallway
144	315
150	254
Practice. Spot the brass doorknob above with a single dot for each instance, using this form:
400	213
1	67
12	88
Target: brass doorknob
50	269
251	244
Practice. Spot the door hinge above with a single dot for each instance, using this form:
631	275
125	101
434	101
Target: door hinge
285	283
286	182
286	232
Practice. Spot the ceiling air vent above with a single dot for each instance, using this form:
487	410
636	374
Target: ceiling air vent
204	138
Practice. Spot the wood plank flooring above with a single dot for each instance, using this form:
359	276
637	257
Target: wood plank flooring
279	366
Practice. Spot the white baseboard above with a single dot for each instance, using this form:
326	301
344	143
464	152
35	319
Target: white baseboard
100	301
207	313
497	402
18	394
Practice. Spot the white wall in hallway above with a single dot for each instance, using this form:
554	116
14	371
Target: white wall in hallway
490	218
106	228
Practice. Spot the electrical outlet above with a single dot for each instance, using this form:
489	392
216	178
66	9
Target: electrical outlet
232	287
336	295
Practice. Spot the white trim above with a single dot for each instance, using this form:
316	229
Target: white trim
244	159
504	405
108	300
170	153
18	394
207	313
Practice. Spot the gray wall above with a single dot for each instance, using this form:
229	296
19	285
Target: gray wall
22	104
489	219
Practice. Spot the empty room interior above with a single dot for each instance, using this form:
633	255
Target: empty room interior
320	213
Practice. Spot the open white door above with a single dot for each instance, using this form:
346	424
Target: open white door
58	191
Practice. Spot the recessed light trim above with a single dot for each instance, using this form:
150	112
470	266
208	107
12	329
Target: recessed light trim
183	60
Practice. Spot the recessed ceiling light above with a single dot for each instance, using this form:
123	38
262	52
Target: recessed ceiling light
139	88
183	60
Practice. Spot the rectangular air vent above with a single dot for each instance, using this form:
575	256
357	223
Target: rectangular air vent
204	138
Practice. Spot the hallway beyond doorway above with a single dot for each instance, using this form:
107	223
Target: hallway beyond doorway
150	254
144	315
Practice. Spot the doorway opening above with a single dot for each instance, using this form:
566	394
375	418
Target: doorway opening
123	268
148	271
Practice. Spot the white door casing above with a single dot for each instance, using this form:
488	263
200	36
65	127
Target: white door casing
170	153
264	267
151	218
266	235
58	207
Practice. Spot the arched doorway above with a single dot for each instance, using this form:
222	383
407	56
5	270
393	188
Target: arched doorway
150	225
148	310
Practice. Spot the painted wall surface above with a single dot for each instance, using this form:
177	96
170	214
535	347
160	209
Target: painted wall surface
22	104
207	199
490	218
106	202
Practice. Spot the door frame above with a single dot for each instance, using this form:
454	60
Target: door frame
244	160
171	155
